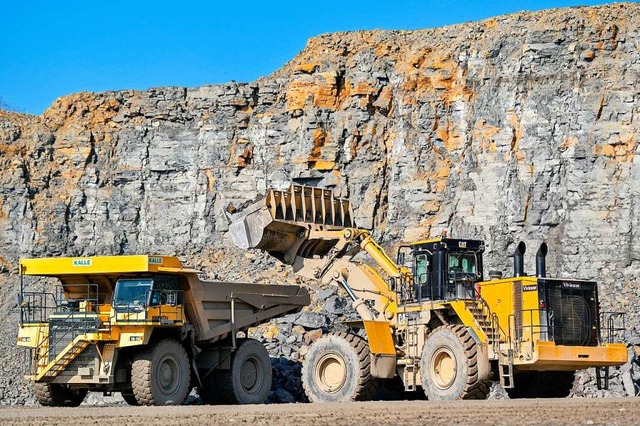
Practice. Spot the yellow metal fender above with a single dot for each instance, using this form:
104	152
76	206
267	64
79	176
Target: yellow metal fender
467	319
558	357
382	348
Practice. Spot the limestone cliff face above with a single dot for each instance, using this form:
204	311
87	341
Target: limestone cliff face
521	127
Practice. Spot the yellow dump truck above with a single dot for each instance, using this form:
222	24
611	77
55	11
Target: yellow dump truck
429	318
147	327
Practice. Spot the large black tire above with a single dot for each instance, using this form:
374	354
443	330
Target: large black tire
55	395
160	374
129	397
248	381
337	368
449	365
542	384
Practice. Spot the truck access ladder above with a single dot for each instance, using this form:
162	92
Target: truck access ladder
64	358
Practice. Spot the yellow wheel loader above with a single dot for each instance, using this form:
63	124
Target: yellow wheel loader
147	327
429	318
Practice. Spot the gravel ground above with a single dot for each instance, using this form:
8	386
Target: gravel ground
539	412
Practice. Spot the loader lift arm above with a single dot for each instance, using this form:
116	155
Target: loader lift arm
313	231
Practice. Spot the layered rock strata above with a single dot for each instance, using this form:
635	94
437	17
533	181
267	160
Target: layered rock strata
520	127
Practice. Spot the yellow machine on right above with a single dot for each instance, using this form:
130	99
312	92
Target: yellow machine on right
430	318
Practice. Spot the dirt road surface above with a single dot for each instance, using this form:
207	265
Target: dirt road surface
621	411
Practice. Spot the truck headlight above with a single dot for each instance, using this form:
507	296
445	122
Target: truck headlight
135	338
24	339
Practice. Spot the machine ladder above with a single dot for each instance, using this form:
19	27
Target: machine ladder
505	366
411	358
64	358
486	321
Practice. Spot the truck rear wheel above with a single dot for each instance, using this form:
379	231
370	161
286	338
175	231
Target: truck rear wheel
248	381
542	384
449	365
160	374
337	368
55	395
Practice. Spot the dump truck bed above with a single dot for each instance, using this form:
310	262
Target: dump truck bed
218	308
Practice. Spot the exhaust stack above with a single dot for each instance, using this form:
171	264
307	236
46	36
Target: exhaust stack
541	260
518	259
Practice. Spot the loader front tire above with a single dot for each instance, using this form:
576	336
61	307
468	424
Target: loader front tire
449	365
337	368
542	384
55	395
248	381
160	374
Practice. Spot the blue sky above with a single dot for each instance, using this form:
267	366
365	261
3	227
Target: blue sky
52	48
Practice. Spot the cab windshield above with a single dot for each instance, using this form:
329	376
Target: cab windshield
462	263
132	292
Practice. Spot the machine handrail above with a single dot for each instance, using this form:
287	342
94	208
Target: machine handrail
612	330
38	355
544	331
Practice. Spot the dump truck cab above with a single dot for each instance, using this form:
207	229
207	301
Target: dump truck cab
147	327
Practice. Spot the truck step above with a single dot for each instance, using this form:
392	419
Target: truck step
64	358
506	376
409	377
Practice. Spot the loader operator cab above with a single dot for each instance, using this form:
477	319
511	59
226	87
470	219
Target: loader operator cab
444	268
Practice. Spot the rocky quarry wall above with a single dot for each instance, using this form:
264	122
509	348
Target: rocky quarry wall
521	127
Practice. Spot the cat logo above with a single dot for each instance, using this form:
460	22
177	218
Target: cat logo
155	261
462	244
81	262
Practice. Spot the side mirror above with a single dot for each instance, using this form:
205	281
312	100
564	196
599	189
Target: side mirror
401	258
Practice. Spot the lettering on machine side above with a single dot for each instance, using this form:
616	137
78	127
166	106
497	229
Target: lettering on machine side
571	285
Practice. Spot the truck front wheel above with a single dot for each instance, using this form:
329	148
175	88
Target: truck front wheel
161	374
55	395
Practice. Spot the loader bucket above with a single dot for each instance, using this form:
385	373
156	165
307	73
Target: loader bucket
276	222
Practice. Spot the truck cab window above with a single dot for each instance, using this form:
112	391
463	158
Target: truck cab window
130	292
164	292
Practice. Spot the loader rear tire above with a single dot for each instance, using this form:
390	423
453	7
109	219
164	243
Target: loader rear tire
337	368
248	381
542	384
449	365
160	374
55	395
